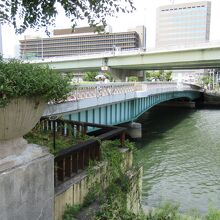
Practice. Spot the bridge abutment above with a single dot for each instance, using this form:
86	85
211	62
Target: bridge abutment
134	130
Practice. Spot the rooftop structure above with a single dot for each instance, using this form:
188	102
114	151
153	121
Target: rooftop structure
66	42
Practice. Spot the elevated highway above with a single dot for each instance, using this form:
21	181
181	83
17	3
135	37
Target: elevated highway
205	55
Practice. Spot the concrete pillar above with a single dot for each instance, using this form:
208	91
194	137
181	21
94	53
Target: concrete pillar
134	130
27	185
120	75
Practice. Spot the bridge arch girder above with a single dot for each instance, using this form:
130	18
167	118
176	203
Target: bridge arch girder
129	110
156	99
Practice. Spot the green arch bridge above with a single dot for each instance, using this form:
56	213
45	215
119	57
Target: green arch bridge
118	103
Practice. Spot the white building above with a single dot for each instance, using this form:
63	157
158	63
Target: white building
184	24
187	23
189	76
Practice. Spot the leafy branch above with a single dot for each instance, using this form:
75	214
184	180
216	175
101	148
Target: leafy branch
23	14
19	79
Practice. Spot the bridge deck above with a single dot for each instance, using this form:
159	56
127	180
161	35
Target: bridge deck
95	95
114	104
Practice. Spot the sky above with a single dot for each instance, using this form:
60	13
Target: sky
145	14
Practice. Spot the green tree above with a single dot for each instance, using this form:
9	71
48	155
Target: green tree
109	76
207	80
167	75
160	75
132	79
90	76
23	14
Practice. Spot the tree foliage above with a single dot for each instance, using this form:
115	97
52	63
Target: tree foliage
132	79
25	14
19	79
90	76
207	80
160	75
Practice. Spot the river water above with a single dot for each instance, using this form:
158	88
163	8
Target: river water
180	153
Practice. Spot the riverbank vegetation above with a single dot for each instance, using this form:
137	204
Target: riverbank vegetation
46	138
113	209
169	211
111	204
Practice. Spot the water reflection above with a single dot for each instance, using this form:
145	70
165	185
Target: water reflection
180	151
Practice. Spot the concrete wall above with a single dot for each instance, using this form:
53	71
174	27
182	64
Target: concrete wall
27	185
121	75
135	191
74	191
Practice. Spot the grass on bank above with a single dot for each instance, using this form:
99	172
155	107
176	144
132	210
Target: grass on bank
113	209
112	202
45	138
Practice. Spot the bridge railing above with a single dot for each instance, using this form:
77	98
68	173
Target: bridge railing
74	159
98	90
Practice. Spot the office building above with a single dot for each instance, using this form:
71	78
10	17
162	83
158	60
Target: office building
142	33
183	24
189	76
66	42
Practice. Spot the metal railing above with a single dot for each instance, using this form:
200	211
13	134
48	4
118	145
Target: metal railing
134	51
76	158
97	90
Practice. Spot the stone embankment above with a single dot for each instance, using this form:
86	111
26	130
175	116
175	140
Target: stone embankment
210	100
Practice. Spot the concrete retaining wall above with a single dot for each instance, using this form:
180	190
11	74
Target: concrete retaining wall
27	185
74	191
135	191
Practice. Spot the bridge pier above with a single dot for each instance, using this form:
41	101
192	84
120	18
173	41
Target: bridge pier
134	130
121	75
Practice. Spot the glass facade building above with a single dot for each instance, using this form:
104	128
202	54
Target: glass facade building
183	24
81	41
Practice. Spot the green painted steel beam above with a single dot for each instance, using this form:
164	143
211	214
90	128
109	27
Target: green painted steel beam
207	56
129	110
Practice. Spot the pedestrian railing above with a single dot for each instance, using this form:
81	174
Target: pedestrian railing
71	161
80	92
97	90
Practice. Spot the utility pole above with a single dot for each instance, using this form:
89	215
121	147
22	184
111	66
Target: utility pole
42	49
213	79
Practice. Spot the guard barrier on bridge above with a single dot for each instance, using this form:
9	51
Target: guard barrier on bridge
96	90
